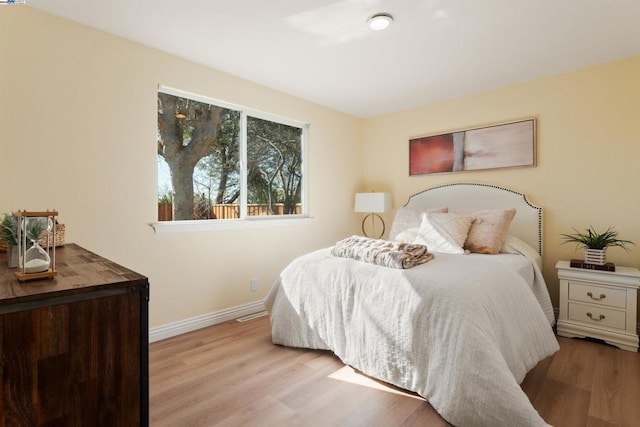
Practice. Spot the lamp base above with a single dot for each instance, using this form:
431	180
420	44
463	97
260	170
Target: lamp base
372	217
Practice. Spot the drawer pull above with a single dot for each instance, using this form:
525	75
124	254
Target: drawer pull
602	296
590	316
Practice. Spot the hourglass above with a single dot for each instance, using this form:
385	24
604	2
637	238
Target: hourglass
36	245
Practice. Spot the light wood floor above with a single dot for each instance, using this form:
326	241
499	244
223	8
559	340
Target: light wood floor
232	375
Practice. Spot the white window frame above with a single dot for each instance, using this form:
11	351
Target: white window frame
244	221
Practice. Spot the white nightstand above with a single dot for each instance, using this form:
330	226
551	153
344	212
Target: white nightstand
599	304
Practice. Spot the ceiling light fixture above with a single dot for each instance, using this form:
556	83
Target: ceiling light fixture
380	21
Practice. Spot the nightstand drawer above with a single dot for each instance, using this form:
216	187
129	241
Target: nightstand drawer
597	295
597	316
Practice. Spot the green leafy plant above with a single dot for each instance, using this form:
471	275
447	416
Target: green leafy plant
9	229
165	198
165	195
35	227
592	239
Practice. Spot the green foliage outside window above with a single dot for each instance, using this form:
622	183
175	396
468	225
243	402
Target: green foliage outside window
201	145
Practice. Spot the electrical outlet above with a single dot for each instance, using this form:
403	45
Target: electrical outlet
253	284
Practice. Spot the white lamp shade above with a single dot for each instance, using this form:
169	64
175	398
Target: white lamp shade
373	202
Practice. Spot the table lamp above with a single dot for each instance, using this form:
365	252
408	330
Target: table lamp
373	203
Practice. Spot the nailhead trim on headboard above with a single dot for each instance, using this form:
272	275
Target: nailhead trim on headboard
524	196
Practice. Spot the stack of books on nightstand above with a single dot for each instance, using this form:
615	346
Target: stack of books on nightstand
579	263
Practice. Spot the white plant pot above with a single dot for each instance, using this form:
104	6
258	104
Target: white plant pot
595	256
12	256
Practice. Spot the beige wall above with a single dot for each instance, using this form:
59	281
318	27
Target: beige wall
588	152
78	134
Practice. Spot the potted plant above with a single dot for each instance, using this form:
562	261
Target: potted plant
596	244
9	235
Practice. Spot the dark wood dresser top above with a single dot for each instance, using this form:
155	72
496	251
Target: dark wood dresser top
79	271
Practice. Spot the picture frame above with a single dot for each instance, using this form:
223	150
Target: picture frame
503	145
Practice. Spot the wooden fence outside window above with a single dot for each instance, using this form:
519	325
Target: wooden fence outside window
231	211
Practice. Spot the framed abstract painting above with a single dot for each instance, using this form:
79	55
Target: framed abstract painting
503	145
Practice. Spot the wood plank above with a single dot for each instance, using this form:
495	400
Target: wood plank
595	422
562	404
616	387
575	364
53	388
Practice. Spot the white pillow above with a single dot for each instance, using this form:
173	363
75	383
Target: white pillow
407	236
408	219
444	232
513	245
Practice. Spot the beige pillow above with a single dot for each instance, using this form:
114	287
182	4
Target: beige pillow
488	231
444	232
407	220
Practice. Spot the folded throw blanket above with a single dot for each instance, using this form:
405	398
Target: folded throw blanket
382	252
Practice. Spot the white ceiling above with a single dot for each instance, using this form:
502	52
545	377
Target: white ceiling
323	51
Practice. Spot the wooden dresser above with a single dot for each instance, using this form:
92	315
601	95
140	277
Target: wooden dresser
74	350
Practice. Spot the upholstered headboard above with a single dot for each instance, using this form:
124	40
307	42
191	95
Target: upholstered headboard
526	225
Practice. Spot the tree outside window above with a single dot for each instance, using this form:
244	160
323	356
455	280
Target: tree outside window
200	148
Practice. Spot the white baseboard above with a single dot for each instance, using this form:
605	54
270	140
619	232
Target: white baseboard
202	321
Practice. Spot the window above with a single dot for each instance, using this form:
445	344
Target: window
218	161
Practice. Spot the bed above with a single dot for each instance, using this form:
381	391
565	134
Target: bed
461	330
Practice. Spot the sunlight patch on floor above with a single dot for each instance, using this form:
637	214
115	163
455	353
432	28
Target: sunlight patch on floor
350	375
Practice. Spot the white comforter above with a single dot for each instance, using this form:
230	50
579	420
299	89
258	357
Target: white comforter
461	331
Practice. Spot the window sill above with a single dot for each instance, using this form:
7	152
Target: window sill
225	224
